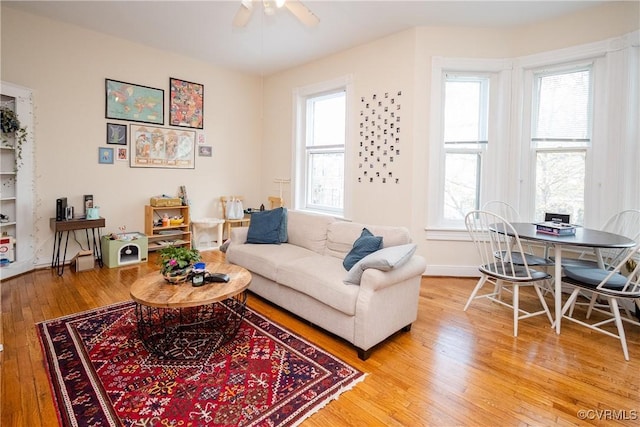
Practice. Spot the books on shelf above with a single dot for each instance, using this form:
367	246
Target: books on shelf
556	228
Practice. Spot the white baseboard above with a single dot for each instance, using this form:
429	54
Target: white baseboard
452	270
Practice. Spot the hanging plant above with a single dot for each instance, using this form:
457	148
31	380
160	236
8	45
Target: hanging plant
11	125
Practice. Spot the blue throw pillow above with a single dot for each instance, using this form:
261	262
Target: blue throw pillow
265	227
364	245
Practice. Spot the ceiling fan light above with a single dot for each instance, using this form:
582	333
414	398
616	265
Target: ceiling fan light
280	3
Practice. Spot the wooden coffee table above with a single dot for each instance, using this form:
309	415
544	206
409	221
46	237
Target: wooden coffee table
183	322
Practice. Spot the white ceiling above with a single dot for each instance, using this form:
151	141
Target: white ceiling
203	30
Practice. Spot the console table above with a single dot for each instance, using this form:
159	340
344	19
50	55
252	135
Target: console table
60	227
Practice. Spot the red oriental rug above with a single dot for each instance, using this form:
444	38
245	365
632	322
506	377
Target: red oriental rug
102	375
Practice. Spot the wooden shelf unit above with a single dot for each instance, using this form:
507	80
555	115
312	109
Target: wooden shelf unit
182	236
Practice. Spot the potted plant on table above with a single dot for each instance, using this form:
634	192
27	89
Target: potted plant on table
11	125
176	262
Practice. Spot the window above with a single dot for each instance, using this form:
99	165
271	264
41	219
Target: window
469	113
320	150
561	137
466	115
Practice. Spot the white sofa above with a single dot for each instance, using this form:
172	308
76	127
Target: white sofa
306	276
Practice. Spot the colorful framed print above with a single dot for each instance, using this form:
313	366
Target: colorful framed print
156	147
105	155
116	134
186	104
122	154
135	103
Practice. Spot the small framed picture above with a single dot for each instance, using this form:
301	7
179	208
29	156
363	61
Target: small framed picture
116	134
105	155
205	151
122	154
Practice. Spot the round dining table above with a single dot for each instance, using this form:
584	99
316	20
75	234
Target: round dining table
583	237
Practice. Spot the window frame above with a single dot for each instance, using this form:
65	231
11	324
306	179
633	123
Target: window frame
302	151
497	151
615	131
553	63
536	74
478	148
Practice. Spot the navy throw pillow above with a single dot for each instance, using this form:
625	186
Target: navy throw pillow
265	227
364	245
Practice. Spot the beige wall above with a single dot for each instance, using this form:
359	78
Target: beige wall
403	62
589	25
66	67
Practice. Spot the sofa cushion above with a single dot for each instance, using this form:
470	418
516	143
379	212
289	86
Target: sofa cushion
265	227
384	259
308	230
264	259
342	234
319	277
364	245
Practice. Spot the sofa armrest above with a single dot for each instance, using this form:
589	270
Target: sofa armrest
387	302
374	279
239	235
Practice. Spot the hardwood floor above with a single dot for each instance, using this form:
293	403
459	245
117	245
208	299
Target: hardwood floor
452	368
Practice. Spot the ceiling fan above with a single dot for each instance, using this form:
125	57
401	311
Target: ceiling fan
299	10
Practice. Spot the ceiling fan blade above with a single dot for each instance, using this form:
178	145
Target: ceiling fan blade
302	12
243	14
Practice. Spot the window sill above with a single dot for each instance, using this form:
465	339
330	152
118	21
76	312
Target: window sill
448	234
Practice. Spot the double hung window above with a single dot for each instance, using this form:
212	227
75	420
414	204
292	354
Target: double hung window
320	150
560	140
466	116
469	105
534	133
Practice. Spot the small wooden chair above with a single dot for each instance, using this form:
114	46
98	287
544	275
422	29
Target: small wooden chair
228	223
275	202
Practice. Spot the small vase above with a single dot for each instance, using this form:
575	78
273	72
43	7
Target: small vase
177	276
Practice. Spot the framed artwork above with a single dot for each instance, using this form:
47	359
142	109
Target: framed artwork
135	103
116	134
205	151
122	153
186	104
157	147
105	155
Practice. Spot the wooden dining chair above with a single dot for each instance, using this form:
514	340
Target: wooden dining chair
625	223
508	212
275	202
620	283
503	272
504	209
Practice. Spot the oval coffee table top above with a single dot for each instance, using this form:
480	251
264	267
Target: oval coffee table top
153	291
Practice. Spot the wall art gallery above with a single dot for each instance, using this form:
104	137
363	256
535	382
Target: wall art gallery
379	137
